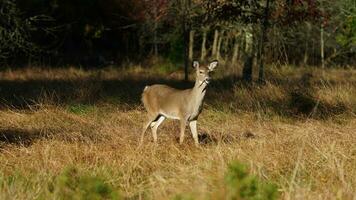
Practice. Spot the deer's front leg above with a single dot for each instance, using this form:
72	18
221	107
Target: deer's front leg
193	129
183	124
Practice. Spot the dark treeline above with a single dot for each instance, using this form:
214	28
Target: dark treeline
97	32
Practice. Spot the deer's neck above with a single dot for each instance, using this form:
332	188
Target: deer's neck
196	99
198	92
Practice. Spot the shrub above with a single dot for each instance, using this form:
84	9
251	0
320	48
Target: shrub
305	103
302	102
241	185
71	185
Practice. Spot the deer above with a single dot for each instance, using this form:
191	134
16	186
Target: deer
162	102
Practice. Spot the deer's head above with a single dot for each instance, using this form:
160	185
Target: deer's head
203	72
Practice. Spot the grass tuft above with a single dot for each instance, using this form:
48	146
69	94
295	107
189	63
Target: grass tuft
72	185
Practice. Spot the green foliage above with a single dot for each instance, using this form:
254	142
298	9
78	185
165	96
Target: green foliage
163	66
176	50
80	109
8	181
14	31
347	35
182	197
72	185
241	185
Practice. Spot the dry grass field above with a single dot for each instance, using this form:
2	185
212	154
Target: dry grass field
298	131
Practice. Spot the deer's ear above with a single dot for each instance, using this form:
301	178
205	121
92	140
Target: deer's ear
195	64
213	65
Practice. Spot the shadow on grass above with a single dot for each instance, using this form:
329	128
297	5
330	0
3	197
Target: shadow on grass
20	137
127	92
208	139
26	137
24	94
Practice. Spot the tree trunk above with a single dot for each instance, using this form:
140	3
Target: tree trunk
186	31
191	45
155	39
261	73
249	55
155	26
225	47
186	52
235	53
247	70
215	43
322	46
306	56
203	46
218	49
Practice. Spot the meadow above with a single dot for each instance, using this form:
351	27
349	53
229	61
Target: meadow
66	132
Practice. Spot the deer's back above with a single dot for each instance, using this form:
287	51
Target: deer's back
162	98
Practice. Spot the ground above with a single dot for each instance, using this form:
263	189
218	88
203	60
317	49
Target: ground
297	131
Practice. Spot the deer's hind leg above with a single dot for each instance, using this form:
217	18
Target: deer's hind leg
150	122
155	125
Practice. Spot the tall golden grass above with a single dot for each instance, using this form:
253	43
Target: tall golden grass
297	131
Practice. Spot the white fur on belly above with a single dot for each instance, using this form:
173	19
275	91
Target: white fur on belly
169	116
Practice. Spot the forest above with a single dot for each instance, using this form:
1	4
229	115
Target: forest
98	33
278	118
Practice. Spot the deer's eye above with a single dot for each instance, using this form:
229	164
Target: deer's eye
201	72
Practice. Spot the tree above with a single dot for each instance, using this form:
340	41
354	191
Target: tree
239	12
265	13
339	24
264	25
190	14
155	11
15	32
186	34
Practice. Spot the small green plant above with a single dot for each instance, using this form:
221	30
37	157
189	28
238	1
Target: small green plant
80	109
241	185
71	185
182	197
164	66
